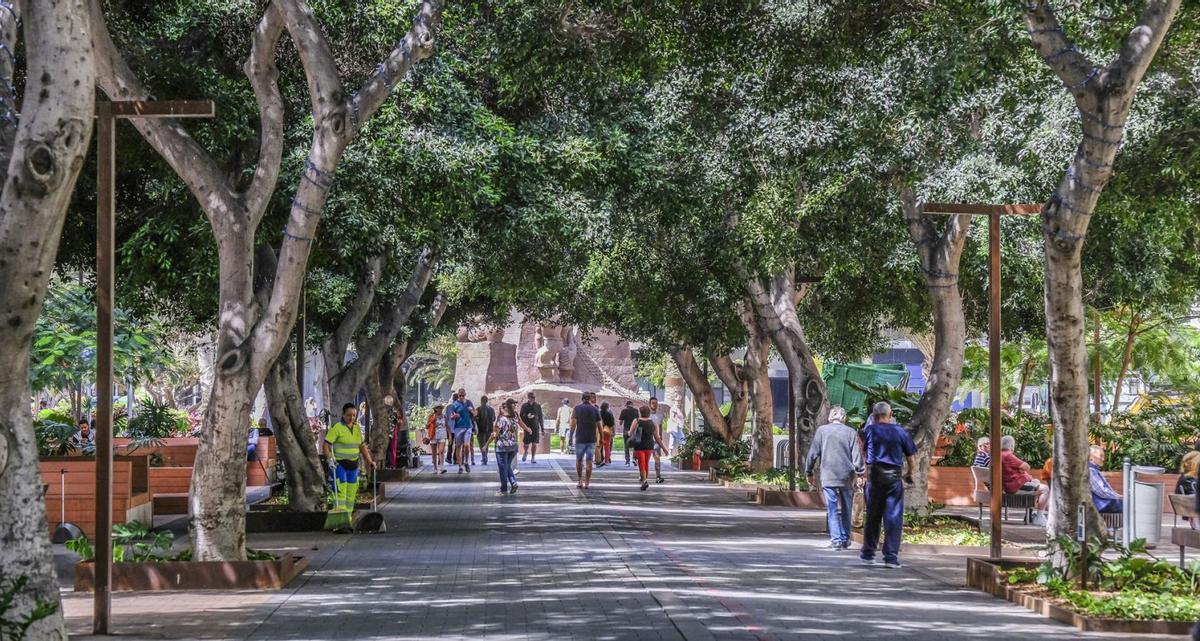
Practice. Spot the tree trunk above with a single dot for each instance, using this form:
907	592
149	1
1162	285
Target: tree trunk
46	155
1103	96
939	252
1135	321
673	391
1026	368
775	306
728	428
758	356
297	448
1097	372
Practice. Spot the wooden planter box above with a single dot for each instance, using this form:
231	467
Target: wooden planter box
985	574
264	520
195	575
130	491
786	498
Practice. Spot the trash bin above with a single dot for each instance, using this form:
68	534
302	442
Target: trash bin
1147	506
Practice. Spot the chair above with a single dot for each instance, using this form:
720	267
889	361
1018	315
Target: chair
1185	537
1113	521
982	494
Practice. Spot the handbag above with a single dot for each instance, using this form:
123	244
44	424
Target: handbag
858	510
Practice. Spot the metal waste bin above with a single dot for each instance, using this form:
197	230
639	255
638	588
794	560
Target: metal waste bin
1144	501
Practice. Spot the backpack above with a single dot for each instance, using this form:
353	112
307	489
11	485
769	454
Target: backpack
635	434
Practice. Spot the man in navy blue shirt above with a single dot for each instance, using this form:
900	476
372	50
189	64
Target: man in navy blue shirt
888	447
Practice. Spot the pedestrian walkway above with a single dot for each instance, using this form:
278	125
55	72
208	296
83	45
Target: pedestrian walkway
683	560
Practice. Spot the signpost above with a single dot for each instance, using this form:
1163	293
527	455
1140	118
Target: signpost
107	114
993	213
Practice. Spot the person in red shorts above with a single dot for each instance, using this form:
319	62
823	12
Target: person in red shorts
644	435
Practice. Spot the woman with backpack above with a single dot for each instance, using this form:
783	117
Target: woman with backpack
642	438
505	432
435	438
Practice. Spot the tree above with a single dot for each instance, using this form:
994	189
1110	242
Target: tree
251	336
41	154
1103	97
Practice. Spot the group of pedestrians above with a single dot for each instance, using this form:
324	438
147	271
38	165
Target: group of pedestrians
453	431
840	450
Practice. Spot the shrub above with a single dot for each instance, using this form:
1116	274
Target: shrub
54	437
1159	435
1031	431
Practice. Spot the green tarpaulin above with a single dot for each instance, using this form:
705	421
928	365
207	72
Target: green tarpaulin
836	375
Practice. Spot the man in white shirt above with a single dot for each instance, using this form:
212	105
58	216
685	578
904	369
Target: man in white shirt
562	423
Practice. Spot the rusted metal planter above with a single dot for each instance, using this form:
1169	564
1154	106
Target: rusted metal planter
987	575
195	575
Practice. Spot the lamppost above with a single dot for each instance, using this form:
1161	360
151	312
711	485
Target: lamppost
107	114
993	213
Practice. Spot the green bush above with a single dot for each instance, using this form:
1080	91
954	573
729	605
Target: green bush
1131	585
1159	435
903	403
155	421
133	542
1031	431
54	437
713	447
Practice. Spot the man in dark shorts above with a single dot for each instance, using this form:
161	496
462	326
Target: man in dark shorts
628	417
485	418
585	421
531	415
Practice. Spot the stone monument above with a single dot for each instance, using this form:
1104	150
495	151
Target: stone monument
549	359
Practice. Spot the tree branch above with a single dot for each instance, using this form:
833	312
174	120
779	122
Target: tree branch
1056	50
264	79
333	349
10	20
415	46
168	137
726	370
1138	50
325	89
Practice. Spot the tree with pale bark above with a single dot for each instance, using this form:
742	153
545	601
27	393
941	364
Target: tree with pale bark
41	151
253	329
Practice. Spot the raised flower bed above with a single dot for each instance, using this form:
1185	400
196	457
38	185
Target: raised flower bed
943	535
1131	594
195	575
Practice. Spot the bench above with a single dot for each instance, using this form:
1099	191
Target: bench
1185	537
983	496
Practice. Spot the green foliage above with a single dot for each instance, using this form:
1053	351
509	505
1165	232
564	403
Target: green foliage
1127	585
64	345
53	435
13	626
775	478
155	421
260	555
133	542
713	447
1159	435
1031	432
435	364
903	403
941	530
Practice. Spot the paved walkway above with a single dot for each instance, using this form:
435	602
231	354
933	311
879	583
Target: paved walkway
684	560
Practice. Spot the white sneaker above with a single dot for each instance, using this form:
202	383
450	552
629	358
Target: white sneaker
867	561
1039	519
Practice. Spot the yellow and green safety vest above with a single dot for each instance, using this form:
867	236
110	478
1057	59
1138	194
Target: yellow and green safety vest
345	441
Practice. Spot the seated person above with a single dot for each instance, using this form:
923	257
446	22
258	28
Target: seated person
1189	480
1015	474
263	429
983	452
85	436
1103	495
252	443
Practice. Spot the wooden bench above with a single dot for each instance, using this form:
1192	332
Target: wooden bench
1185	537
983	496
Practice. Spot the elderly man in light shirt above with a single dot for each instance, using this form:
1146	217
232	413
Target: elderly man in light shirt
836	446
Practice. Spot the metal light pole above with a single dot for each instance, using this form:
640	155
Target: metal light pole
107	114
993	213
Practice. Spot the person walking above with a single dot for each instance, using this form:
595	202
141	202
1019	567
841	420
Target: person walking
585	423
461	413
485	419
657	418
643	438
835	445
435	437
448	421
608	425
345	447
562	425
889	447
531	416
504	434
628	417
